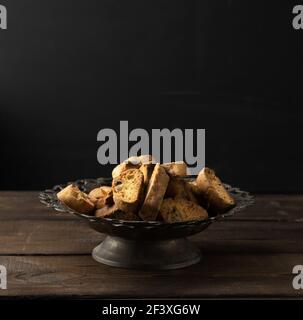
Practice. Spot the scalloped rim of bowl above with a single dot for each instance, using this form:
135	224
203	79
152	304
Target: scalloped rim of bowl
49	198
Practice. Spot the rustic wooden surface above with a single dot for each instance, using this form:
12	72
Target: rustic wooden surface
47	254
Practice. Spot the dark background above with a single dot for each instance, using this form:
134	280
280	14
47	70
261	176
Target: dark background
70	68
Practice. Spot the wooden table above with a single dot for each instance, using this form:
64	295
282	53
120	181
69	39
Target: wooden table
48	254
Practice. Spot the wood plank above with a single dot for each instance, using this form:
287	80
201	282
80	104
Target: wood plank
249	255
75	237
275	208
47	237
216	276
25	205
16	205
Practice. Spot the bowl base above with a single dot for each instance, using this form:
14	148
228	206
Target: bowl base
160	255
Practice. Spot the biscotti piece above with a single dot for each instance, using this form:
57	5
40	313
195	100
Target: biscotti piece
180	189
189	192
113	212
176	189
144	159
128	190
122	167
147	158
175	169
77	200
131	163
147	170
102	196
211	187
198	195
177	210
193	186
155	193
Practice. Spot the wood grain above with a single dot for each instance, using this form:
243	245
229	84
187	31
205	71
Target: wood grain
75	237
249	255
274	208
25	205
220	275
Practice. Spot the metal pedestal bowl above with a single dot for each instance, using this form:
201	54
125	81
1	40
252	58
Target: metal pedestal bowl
140	244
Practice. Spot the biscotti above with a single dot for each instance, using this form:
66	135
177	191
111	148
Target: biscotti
113	212
144	159
128	190
177	210
180	189
176	189
198	195
175	169
122	167
142	190
155	193
77	200
131	163
102	196
211	187
190	195
147	170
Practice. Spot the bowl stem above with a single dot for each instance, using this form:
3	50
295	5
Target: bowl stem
160	255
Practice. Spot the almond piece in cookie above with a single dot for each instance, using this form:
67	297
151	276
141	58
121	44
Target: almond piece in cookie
102	196
155	193
178	210
77	200
128	189
213	190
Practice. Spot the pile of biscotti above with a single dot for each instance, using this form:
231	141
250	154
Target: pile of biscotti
143	190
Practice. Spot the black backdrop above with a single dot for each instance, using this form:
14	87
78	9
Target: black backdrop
70	68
